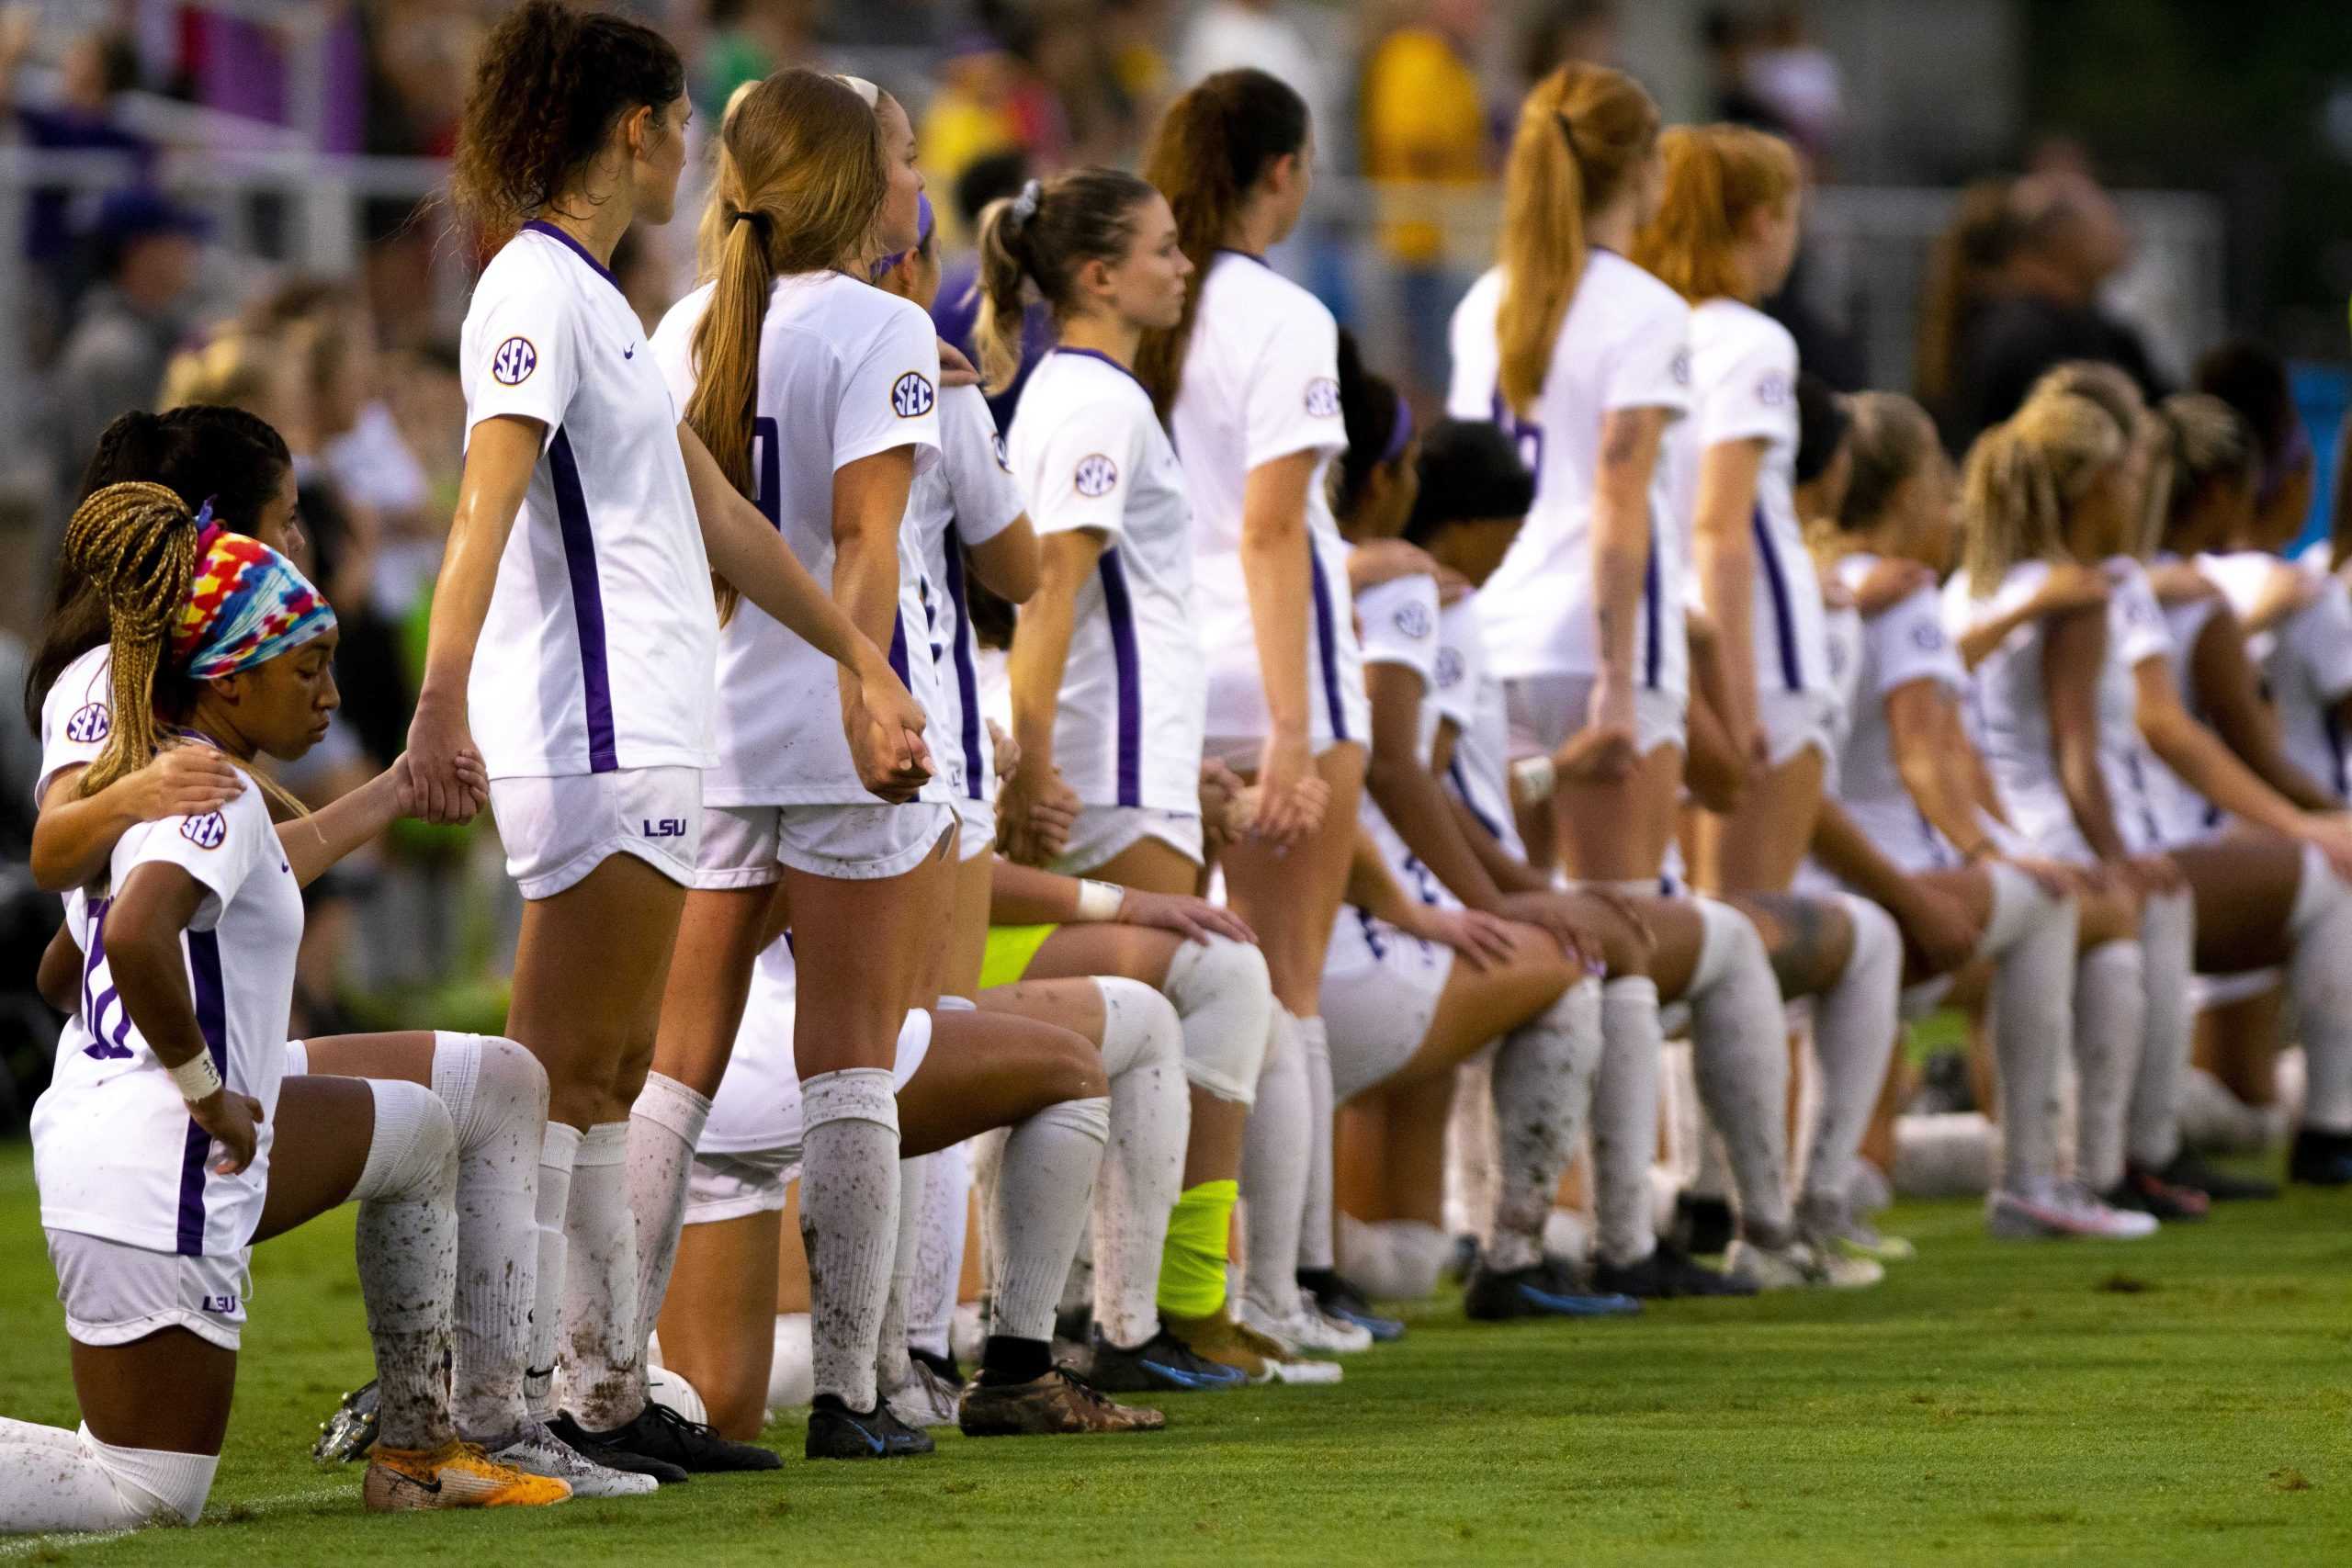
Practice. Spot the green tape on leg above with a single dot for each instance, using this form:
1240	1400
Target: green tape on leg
1192	1266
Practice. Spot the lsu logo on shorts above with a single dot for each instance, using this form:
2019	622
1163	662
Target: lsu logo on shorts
1096	474
512	363
1323	397
911	396
205	832
1413	619
91	722
1928	636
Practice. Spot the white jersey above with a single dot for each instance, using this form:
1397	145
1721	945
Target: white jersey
76	716
1743	388
1261	382
600	646
2182	815
114	1151
967	500
1625	344
756	1107
2012	711
2306	659
1089	453
1401	628
1471	694
846	371
1874	659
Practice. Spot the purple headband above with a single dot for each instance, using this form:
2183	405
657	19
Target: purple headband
925	223
1401	434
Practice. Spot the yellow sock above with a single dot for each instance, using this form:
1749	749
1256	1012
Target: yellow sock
1192	1266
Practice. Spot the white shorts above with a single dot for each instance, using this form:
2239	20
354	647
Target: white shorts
1380	995
1546	709
1102	833
1338	710
734	1186
559	829
115	1293
1794	720
976	825
749	846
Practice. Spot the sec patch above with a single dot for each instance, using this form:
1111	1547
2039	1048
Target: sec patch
512	363
911	396
205	832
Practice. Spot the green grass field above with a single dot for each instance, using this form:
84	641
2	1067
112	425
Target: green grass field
2186	1399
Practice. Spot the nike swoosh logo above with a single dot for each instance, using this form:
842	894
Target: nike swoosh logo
433	1488
630	352
862	1432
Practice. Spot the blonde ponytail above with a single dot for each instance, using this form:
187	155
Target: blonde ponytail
2022	477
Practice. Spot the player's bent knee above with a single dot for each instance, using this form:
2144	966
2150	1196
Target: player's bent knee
151	1486
1223	995
414	1153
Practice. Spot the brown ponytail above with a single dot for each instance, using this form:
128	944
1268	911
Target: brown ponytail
1581	133
1968	256
136	543
1715	176
2023	477
1043	236
1211	149
1888	438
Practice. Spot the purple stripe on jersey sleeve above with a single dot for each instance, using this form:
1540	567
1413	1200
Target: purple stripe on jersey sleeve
587	600
1119	609
1784	617
968	678
1327	643
212	1022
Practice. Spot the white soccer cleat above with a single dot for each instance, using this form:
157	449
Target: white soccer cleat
540	1452
1793	1265
1307	1331
926	1401
2062	1211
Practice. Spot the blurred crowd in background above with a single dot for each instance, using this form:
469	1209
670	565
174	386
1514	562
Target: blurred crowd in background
234	201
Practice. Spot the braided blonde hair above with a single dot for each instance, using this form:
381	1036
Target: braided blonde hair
136	543
2024	476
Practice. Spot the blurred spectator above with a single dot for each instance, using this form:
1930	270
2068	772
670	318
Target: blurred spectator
1089	110
971	112
1424	129
2069	238
1798	80
1565	30
126	326
1727	36
1227	34
1134	32
2253	380
751	39
1969	266
238	367
957	304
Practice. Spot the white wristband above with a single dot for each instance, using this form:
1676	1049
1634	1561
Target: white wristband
1532	780
196	1078
1100	900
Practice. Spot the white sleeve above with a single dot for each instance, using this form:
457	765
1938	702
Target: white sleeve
1453	688
1082	469
1292	403
1400	625
978	474
1908	643
1470	394
673	346
2136	623
890	393
528	347
1650	367
2321	635
1753	397
220	849
76	716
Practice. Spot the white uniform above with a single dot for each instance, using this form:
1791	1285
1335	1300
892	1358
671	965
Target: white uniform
2306	659
2012	711
846	372
1625	344
1874	659
2183	816
115	1152
1261	381
751	1144
963	502
1380	985
76	716
1743	383
592	693
1471	694
1090	455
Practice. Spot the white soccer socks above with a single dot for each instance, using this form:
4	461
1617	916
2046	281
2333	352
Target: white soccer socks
1542	1081
1739	1052
1625	1120
1854	1025
2168	940
497	1097
849	1223
1276	1157
407	1249
1143	1170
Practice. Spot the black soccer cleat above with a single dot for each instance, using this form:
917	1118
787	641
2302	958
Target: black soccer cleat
660	1433
2144	1190
2321	1158
835	1432
1544	1291
1342	1301
1667	1274
1702	1226
574	1436
350	1432
1161	1364
2185	1169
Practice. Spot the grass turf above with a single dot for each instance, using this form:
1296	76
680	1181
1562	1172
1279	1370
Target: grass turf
2184	1399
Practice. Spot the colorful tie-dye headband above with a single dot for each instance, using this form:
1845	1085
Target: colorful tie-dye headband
246	605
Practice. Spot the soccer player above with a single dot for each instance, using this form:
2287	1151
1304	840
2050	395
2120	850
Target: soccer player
575	637
1248	381
172	1138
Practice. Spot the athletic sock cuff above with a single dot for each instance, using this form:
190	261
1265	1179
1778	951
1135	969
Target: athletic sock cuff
853	1094
605	1143
673	1106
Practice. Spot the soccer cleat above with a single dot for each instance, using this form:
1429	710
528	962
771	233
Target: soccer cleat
350	1432
661	1434
573	1436
925	1401
1542	1291
1793	1265
1058	1404
1161	1364
2066	1211
835	1432
1307	1331
1701	1226
538	1451
2185	1169
1343	1302
2144	1190
455	1475
1668	1273
1830	1226
1224	1338
2321	1158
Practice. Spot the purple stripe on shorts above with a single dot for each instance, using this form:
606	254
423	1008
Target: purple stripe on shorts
1654	636
1327	643
1784	619
587	600
1119	608
967	679
899	650
212	1022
